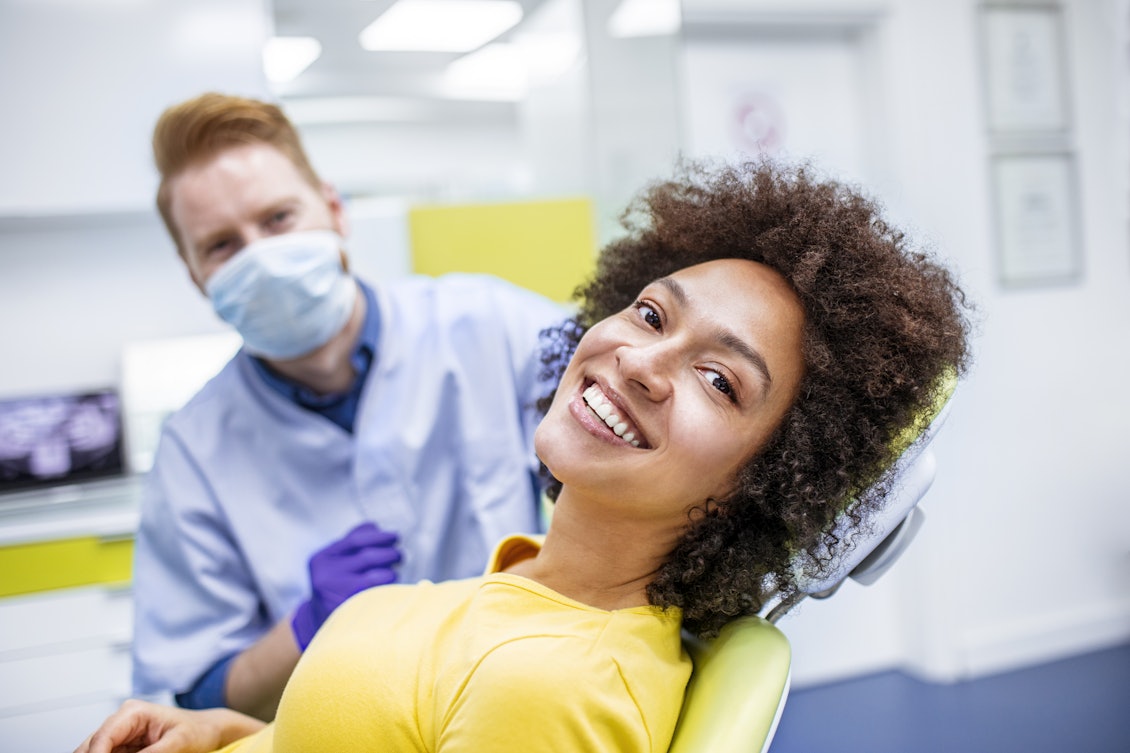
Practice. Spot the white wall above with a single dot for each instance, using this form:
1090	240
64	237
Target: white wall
449	161
1025	556
1042	432
84	262
82	83
74	291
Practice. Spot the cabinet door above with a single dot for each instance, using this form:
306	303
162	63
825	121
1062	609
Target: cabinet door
54	730
64	665
74	617
39	680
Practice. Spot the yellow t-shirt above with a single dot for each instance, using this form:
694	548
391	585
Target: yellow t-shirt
497	663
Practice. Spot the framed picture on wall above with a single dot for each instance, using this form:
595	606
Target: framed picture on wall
1037	219
1025	80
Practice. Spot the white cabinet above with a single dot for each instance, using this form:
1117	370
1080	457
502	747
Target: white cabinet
66	612
64	665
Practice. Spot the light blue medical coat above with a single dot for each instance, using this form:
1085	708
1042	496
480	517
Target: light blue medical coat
246	485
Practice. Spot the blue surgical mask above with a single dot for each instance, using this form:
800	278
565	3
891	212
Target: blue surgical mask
287	295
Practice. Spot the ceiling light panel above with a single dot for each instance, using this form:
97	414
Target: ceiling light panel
440	25
645	18
494	72
286	57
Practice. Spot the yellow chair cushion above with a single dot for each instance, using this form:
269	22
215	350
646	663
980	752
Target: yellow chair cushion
739	683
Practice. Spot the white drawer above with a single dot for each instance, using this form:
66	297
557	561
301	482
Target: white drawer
54	730
71	616
27	682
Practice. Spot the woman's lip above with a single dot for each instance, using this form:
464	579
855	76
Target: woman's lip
591	422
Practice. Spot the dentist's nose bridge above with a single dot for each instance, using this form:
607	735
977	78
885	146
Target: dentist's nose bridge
247	234
252	233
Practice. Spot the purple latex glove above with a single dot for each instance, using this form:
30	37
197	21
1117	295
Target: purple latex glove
361	559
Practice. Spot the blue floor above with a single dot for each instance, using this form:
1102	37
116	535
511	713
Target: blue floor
1078	705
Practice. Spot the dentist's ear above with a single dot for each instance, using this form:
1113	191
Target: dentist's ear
339	217
336	206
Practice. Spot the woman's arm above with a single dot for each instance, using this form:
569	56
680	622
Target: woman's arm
139	725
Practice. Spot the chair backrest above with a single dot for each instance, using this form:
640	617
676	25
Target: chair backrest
737	690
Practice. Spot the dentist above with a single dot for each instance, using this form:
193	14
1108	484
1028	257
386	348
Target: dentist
362	435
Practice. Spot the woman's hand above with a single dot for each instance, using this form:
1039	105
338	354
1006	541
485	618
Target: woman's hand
153	728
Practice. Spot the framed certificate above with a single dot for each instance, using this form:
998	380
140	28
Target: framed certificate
1037	219
1024	68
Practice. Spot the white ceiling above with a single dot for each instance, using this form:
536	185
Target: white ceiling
344	68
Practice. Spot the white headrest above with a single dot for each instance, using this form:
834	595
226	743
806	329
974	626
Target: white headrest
911	476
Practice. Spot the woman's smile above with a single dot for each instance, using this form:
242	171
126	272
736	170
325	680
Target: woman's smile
604	419
615	417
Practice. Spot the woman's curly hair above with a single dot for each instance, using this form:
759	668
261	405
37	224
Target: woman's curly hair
884	324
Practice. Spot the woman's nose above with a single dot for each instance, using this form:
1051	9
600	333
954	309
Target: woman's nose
648	368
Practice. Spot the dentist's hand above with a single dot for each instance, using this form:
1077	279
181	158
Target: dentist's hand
361	559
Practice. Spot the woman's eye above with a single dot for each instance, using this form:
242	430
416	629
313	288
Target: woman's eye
649	315
722	384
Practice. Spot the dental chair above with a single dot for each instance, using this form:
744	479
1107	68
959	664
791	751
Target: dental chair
740	680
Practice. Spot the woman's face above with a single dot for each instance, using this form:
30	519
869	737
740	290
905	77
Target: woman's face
663	403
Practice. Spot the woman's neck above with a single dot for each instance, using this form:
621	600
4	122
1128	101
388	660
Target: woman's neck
599	559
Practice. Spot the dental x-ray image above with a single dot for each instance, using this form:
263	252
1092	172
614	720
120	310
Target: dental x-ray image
59	439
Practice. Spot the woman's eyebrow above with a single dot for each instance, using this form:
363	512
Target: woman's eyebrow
735	344
724	337
675	289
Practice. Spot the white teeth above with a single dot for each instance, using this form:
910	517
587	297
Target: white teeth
601	406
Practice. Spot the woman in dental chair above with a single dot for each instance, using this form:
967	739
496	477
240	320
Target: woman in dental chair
741	364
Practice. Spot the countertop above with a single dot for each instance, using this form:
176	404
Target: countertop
107	509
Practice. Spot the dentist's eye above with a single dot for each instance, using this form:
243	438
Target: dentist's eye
279	221
649	315
219	247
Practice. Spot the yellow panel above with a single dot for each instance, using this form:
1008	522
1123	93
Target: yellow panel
115	561
545	246
48	565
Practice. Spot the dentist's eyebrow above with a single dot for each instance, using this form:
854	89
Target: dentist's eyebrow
725	338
